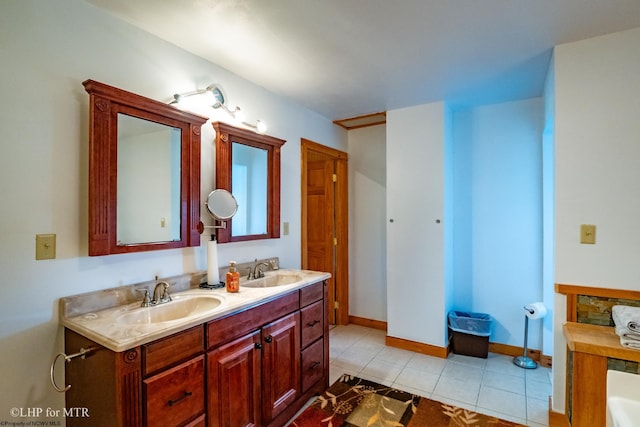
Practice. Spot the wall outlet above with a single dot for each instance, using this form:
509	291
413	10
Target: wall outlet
45	246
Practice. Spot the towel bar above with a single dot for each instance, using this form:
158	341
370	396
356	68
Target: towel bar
68	358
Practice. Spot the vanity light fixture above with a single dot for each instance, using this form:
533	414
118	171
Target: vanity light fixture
215	98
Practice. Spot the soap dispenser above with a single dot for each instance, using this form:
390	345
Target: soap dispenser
233	278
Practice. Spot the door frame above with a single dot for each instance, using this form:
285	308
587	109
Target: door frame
341	281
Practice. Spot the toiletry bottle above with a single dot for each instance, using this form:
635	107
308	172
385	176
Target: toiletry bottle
233	278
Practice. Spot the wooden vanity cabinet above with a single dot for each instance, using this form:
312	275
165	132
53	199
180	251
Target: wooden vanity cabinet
287	336
263	359
256	367
160	383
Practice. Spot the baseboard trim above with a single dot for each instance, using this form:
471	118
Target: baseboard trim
508	350
369	323
418	347
514	351
557	419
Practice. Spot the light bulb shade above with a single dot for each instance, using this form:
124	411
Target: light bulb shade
215	93
261	126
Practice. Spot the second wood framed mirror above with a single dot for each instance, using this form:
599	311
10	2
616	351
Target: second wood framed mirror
248	166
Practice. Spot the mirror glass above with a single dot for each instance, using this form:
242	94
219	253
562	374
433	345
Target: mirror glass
248	165
221	204
148	204
249	185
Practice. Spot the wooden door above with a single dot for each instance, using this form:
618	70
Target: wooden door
324	222
321	220
234	377
280	365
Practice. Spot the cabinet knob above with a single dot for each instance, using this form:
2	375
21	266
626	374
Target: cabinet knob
258	345
314	365
313	323
268	339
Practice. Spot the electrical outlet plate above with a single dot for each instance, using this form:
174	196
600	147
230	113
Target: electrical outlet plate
588	234
45	246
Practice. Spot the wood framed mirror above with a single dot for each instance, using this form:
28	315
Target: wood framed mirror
248	166
144	173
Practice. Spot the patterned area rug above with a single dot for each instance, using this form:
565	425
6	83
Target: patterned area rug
355	402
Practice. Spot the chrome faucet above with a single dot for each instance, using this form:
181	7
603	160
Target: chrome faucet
161	293
256	272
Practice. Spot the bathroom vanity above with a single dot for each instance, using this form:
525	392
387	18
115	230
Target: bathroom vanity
252	358
590	347
593	349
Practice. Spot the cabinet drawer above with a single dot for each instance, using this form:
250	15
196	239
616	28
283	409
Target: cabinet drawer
223	330
311	293
172	349
175	396
312	364
311	324
198	422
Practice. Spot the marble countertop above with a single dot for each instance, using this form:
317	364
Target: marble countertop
104	327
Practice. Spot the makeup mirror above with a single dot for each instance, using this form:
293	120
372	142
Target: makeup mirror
221	204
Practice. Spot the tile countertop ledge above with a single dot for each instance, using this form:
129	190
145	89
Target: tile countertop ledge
102	326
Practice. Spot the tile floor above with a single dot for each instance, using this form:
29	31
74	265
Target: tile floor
492	386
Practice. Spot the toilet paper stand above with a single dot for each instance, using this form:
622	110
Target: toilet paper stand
524	361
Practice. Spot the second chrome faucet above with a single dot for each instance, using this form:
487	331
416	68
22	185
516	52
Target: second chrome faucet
256	272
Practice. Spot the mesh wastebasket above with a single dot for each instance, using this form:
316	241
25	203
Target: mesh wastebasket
470	333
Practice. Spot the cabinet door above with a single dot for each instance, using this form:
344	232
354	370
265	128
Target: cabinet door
233	372
415	223
280	365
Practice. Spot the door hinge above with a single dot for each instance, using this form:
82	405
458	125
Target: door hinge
335	178
335	241
336	305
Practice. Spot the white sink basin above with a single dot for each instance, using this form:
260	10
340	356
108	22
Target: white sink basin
179	308
623	399
279	278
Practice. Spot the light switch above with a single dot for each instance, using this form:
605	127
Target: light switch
163	222
285	228
588	234
45	246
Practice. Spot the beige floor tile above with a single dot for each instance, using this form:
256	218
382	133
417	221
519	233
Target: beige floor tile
494	386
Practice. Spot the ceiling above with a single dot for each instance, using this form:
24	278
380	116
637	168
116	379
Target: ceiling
345	58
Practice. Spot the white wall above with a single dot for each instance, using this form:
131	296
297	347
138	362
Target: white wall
48	48
548	209
498	215
367	223
597	133
416	291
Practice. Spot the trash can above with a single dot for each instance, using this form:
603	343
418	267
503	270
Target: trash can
469	333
